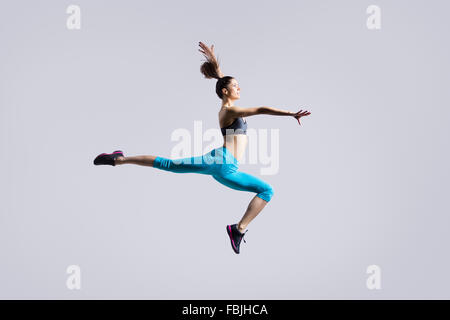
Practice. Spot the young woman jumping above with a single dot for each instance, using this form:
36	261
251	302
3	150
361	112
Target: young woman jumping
221	163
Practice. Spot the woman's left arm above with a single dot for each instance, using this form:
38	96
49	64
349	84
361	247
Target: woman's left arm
275	112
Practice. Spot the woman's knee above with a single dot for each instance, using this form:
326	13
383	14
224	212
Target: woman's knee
266	193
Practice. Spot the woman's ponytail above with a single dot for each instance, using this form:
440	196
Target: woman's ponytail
210	69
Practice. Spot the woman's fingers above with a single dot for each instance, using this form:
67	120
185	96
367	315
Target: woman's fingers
300	114
303	113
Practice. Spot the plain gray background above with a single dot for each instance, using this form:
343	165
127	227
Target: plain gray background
363	181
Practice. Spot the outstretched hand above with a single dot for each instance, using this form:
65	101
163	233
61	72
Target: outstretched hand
300	114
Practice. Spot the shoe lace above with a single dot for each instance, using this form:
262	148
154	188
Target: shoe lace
242	236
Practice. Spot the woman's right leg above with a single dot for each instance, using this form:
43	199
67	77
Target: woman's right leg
246	182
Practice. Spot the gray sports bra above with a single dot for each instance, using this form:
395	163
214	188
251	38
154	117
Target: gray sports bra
239	126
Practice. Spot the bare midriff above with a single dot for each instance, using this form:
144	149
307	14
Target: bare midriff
236	144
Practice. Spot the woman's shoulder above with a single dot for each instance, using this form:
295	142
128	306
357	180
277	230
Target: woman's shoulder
226	118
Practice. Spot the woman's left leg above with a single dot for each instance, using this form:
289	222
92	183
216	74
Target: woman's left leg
198	164
144	160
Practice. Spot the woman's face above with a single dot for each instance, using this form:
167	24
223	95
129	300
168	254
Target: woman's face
234	90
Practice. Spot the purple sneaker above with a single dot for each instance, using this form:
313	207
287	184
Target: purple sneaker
235	237
108	158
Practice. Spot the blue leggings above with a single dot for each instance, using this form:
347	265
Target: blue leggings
222	166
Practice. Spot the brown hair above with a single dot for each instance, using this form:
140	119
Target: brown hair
210	69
